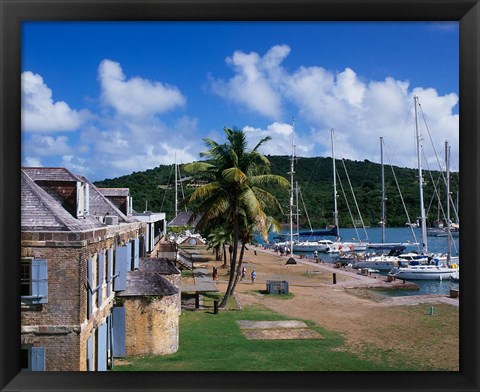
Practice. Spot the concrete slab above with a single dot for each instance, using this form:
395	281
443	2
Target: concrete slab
247	324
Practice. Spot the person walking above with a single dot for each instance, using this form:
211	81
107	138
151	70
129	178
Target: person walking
253	276
244	274
215	273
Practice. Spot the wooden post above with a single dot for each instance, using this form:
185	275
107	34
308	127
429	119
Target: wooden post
334	278
215	307
197	300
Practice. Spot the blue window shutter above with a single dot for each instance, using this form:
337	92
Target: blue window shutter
39	281
90	287
38	359
135	252
109	337
119	343
89	354
102	347
122	259
100	278
129	256
109	270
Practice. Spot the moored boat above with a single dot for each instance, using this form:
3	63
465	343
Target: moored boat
424	272
438	267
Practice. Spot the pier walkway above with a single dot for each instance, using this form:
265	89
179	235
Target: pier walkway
203	282
358	280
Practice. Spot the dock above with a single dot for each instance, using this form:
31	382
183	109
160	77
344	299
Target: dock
203	282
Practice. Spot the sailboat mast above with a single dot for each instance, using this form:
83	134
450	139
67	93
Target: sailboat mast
176	186
292	172
423	219
297	214
447	164
335	208
383	190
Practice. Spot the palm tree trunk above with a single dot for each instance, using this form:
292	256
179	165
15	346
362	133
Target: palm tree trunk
233	261
224	256
239	269
218	256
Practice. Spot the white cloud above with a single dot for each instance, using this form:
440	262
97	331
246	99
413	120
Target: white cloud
135	96
360	111
445	26
41	145
281	140
40	113
254	84
31	162
77	165
116	147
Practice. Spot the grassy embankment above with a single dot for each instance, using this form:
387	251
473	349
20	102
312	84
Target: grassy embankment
214	342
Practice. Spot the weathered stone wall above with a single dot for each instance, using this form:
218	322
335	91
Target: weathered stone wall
64	318
152	325
61	347
175	279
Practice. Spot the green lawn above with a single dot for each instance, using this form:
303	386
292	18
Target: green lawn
214	342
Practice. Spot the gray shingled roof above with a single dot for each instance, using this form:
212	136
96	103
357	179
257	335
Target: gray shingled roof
114	191
100	205
50	174
40	211
140	283
183	219
159	265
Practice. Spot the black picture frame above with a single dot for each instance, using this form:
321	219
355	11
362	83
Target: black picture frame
13	12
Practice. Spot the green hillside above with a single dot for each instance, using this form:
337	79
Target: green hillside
154	188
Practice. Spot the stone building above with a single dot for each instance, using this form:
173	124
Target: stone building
78	253
152	305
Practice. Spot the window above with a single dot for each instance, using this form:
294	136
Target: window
25	358
26	277
33	281
32	358
109	257
123	257
100	277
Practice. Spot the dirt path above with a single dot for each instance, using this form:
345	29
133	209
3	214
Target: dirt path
400	324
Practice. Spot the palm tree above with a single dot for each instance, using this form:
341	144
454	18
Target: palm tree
215	241
238	178
218	238
247	231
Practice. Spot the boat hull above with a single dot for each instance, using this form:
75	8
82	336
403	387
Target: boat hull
423	273
309	247
379	265
338	247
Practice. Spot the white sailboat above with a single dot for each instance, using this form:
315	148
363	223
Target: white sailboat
440	269
384	262
339	246
298	245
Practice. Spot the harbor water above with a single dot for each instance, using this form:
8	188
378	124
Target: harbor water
393	235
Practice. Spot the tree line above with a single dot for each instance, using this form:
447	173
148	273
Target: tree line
241	192
153	190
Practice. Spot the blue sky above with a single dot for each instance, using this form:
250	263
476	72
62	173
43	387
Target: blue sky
107	99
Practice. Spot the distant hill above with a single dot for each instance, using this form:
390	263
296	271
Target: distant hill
154	189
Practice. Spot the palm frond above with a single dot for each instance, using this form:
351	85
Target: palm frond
234	175
263	180
267	200
204	191
198	167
